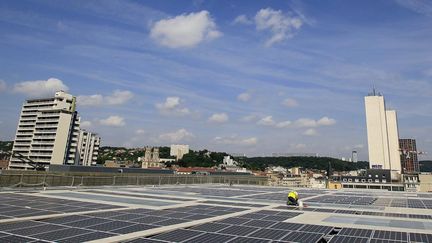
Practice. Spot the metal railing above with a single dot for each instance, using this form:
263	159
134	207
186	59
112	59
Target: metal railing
53	180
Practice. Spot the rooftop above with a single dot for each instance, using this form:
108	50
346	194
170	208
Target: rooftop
213	213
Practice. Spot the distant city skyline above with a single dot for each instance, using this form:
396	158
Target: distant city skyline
246	77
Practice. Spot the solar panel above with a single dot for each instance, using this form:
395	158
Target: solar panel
350	239
197	216
234	220
109	226
36	230
15	238
127	217
260	223
170	222
133	228
356	232
272	234
210	227
287	226
12	226
86	237
61	234
149	219
384	241
253	216
248	240
390	235
305	237
86	222
238	230
419	237
211	238
177	235
276	218
316	229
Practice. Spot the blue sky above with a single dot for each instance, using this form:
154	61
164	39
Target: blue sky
254	77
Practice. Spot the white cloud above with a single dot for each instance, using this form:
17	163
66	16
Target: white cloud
3	85
218	118
282	26
419	6
172	106
113	121
140	131
289	102
299	146
306	122
244	97
235	140
310	132
118	97
86	124
267	121
248	118
177	136
186	30
40	88
325	121
283	124
242	19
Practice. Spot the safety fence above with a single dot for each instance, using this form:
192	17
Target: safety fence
55	180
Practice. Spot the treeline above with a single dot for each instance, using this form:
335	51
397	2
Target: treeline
319	163
202	158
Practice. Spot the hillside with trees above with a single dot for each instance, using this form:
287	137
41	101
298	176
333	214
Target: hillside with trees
319	163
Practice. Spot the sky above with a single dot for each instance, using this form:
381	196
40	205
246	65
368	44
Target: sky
244	77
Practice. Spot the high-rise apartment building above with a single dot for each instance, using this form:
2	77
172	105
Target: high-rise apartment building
88	144
382	133
354	157
48	132
409	159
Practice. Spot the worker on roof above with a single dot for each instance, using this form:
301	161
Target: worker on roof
293	198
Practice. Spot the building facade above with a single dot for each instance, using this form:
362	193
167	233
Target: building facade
178	150
48	133
88	148
409	158
382	133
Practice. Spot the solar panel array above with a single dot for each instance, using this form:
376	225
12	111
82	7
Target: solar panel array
358	212
77	228
14	205
235	230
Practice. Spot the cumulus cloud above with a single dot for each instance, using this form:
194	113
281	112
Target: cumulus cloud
249	118
186	30
86	124
267	121
306	122
172	106
244	97
113	121
281	25
40	88
140	131
177	136
289	102
118	97
218	118
242	19
310	132
3	85
283	124
235	140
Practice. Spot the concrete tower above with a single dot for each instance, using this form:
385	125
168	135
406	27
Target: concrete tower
382	132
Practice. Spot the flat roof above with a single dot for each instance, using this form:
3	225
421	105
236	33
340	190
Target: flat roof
213	213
